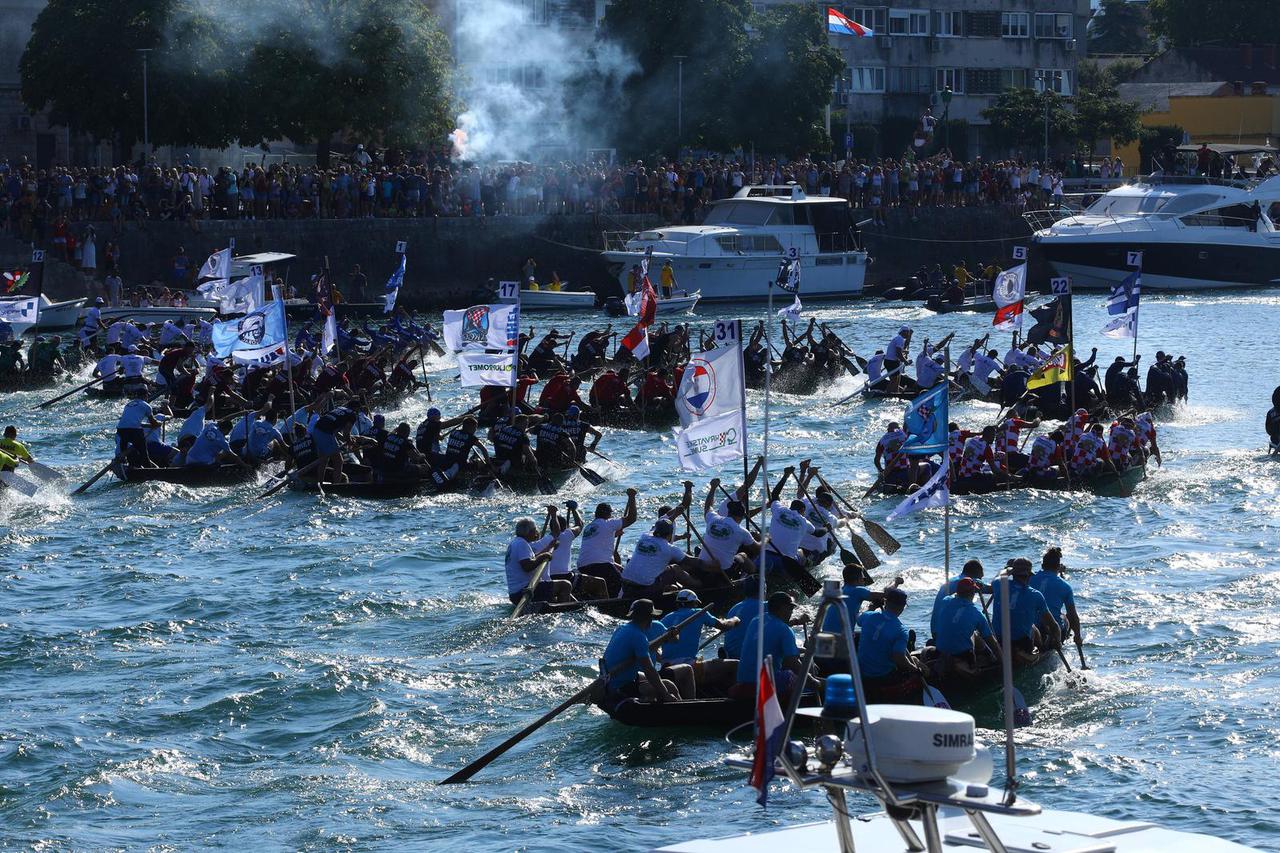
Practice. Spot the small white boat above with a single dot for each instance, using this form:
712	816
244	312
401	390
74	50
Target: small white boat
556	300
59	315
157	314
683	304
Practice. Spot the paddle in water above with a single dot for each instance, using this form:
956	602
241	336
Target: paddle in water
43	471
488	758
18	484
86	385
96	477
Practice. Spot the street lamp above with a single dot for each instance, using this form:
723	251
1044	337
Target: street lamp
146	118
946	115
679	102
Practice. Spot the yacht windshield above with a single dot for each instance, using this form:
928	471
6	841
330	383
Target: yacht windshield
1130	205
739	213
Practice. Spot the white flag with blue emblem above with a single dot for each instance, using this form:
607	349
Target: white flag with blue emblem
495	327
932	494
711	385
259	337
711	442
20	314
1123	303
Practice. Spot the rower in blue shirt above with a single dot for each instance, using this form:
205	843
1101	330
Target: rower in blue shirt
779	644
1057	593
628	651
972	569
958	619
1029	617
883	656
855	592
683	650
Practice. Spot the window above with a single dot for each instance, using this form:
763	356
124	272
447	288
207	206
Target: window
982	81
911	80
1057	80
950	24
1013	78
982	24
1015	25
866	79
905	22
1053	26
875	17
952	78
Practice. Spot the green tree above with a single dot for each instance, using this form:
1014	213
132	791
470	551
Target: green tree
1227	23
1119	27
379	69
1102	114
1018	118
789	72
711	36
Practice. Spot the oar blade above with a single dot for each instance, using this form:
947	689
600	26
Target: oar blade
590	476
18	484
882	537
932	698
44	472
1021	710
866	556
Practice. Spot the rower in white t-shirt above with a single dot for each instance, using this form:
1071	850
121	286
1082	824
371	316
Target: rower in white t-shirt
650	568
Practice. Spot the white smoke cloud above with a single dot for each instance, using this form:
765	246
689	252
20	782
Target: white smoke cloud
518	62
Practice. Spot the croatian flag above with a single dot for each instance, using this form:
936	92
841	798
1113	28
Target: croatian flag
1124	296
842	25
769	730
931	494
636	341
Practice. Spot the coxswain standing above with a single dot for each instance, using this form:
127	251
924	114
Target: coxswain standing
896	355
330	428
131	437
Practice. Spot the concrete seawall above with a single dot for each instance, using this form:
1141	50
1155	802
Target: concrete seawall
448	259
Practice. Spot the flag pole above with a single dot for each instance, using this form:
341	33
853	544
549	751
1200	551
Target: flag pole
1071	344
288	366
742	381
946	460
764	479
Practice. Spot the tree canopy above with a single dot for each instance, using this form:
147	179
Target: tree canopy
377	68
1119	27
1225	23
747	78
1018	118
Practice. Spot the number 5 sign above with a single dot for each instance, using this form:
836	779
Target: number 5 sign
1019	253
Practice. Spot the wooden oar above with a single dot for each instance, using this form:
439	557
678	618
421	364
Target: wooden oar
488	758
882	537
287	477
18	484
590	476
530	589
932	697
88	384
1021	710
43	471
96	477
1080	649
598	453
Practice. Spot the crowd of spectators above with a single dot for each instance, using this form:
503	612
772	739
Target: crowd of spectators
38	203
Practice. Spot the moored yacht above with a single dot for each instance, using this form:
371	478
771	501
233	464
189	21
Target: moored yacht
1194	233
734	253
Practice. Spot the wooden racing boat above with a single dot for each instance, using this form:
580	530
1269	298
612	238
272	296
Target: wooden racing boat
637	419
192	475
720	713
1108	484
979	304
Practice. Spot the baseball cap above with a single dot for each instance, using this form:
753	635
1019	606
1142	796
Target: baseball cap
687	596
895	596
662	528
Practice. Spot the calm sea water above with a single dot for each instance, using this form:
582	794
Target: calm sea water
200	669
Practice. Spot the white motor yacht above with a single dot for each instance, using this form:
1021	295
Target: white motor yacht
1194	233
734	254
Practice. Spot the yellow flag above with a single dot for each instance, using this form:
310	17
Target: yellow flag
1056	369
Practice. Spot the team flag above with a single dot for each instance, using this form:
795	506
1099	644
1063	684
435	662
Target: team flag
495	327
20	314
925	423
932	494
14	280
636	341
393	287
1051	323
789	276
711	385
842	25
770	727
1056	369
792	311
258	335
478	368
1009	293
711	442
218	265
1123	305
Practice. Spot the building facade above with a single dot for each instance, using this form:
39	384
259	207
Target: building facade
975	48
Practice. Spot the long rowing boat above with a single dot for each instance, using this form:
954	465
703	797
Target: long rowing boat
188	475
1107	484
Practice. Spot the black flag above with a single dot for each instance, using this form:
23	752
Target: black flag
1051	323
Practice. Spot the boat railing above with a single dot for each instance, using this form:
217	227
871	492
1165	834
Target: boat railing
1040	220
616	241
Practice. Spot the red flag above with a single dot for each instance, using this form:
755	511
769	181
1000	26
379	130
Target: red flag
648	303
769	729
637	341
